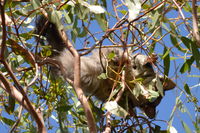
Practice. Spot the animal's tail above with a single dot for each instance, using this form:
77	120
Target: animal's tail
49	30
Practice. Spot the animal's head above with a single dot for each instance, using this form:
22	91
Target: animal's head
152	83
142	67
141	79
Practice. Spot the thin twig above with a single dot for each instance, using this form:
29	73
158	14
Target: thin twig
18	120
76	84
183	16
15	27
29	106
196	34
108	123
81	96
119	95
117	25
22	98
3	42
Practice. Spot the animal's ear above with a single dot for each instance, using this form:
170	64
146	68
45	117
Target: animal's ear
168	84
150	111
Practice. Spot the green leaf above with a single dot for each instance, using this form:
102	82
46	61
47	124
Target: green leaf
172	129
187	65
159	85
83	33
196	54
153	95
102	76
152	46
180	106
7	121
111	55
187	42
185	126
35	3
194	76
64	108
157	129
123	12
101	19
115	122
104	3
166	61
173	28
115	91
94	8
81	12
134	7
187	89
187	7
115	109
176	44
137	90
67	18
11	105
155	19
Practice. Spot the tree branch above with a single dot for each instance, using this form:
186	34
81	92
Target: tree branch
119	95
3	43
21	97
196	34
76	84
182	15
18	120
90	119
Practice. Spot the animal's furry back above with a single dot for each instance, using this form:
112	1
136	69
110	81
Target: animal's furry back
91	66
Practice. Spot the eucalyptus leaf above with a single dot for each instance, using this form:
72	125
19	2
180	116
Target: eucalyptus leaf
100	18
157	129
166	57
83	33
155	19
115	109
187	42
115	91
97	9
111	55
196	54
187	65
137	90
185	126
176	44
35	3
187	89
180	106
134	7
103	76
67	18
153	95
159	85
172	129
7	121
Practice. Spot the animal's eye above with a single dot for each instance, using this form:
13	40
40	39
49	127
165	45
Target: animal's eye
148	65
134	67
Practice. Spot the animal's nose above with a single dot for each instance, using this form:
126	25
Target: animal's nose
148	65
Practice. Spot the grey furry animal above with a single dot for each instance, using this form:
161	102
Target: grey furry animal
135	67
